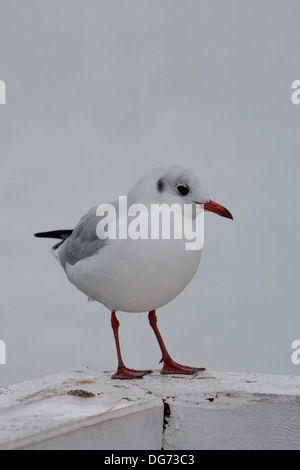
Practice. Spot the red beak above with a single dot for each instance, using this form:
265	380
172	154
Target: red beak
212	206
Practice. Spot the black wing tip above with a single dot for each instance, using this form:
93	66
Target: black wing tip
59	234
39	235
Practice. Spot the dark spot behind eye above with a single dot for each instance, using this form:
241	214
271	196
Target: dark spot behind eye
160	185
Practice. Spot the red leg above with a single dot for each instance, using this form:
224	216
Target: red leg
169	366
122	371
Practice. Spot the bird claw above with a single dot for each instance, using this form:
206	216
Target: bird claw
171	367
123	373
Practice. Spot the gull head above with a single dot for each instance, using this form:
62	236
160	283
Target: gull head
174	183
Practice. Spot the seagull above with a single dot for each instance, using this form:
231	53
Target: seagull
137	274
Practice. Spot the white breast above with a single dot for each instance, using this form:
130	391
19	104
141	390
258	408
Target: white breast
136	275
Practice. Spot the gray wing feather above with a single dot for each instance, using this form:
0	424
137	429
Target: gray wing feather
84	241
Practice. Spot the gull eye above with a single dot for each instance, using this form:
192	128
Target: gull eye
183	189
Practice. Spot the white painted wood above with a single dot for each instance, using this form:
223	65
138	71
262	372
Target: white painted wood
40	414
208	411
230	411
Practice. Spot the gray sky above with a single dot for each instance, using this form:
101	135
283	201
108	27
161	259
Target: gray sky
98	93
